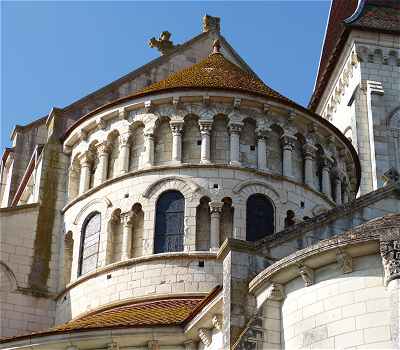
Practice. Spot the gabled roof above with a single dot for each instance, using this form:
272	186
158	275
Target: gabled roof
371	15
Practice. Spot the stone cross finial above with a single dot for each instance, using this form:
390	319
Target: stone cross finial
216	46
163	44
211	23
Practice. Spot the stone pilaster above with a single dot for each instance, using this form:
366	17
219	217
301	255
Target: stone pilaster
124	153
287	147
86	161
215	210
205	132
309	152
177	130
337	178
234	129
103	151
126	236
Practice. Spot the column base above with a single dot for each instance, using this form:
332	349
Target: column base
235	163
205	161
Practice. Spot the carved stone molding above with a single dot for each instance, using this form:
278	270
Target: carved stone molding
390	252
344	262
306	274
217	322
205	336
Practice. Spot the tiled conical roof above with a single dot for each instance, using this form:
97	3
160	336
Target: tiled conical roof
214	72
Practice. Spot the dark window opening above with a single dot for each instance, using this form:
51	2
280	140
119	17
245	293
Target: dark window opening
259	217
169	222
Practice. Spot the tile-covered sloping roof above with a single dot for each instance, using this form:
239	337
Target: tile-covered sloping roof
151	313
214	72
374	15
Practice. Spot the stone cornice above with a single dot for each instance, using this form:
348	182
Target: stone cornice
232	244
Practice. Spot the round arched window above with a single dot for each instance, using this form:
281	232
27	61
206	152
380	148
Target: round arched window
89	248
170	211
259	217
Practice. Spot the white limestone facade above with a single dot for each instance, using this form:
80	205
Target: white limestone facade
362	99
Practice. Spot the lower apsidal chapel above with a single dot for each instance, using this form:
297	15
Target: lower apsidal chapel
188	205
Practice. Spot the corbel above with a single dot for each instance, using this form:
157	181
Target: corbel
275	292
237	102
307	274
344	262
148	106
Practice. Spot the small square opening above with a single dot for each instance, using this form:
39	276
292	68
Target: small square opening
302	204
201	263
126	195
252	148
198	142
215	186
109	276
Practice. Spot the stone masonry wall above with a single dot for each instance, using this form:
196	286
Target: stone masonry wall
339	311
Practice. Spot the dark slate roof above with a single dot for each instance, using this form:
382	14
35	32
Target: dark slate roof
373	15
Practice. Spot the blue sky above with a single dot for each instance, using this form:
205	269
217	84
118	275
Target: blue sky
53	53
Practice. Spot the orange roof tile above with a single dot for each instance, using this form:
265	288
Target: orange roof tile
214	72
151	313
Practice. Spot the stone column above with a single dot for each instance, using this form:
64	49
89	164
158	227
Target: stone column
86	164
103	150
177	130
215	210
309	152
262	149
338	188
288	147
124	154
205	132
235	129
148	159
126	236
326	176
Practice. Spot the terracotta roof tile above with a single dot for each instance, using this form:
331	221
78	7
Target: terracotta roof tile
150	313
214	72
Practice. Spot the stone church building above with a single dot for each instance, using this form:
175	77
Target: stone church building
188	205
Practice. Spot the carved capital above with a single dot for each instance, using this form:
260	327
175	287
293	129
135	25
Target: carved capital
217	322
275	292
176	127
103	148
309	150
344	262
307	274
288	141
205	336
205	126
123	113
126	218
86	158
215	207
124	140
326	163
235	128
262	133
390	252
